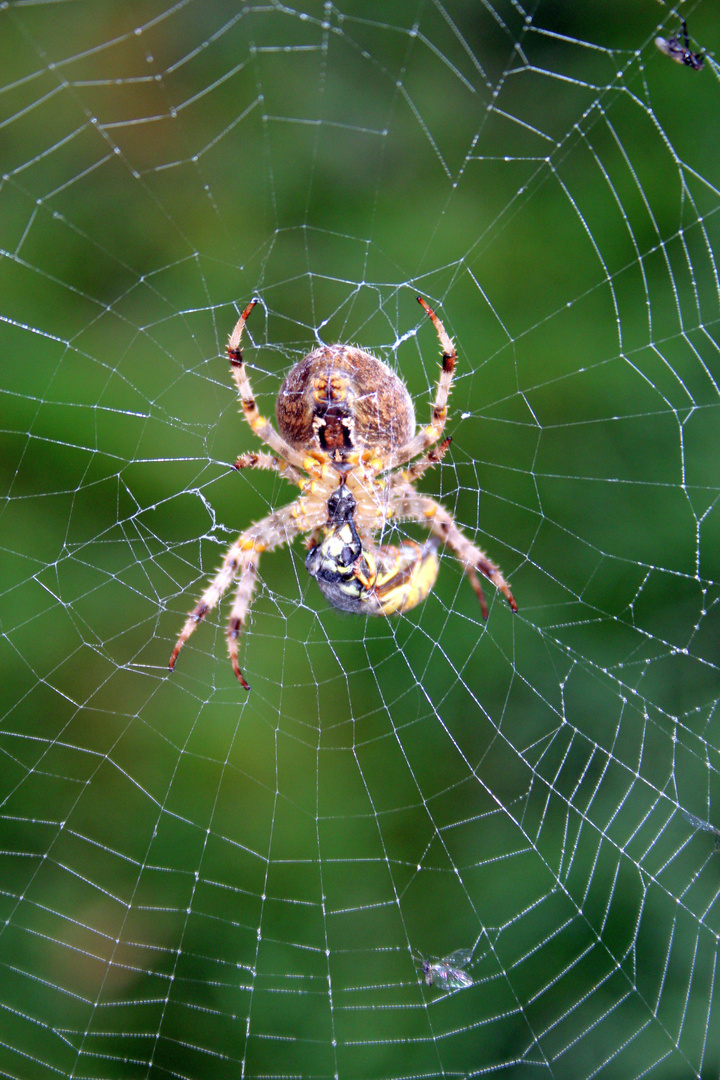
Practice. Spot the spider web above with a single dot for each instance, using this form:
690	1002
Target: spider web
199	882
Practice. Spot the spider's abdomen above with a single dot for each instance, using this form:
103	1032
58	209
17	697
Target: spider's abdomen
339	399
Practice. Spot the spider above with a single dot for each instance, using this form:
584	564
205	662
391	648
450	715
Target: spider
347	437
679	52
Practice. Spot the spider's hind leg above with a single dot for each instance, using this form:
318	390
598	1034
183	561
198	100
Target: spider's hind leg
241	562
442	524
240	608
209	599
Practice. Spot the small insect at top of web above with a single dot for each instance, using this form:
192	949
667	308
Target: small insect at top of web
677	47
447	974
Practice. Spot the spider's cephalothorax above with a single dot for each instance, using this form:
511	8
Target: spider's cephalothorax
347	438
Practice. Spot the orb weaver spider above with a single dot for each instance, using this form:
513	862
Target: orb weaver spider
347	438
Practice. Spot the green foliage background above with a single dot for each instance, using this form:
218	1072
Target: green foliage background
203	883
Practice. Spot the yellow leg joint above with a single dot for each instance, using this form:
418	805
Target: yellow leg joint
251	545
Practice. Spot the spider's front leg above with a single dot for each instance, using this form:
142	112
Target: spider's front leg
430	434
423	509
241	562
262	427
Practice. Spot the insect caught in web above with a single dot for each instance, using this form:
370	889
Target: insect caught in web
447	974
698	823
679	50
347	438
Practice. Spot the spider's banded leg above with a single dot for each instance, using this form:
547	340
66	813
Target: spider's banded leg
241	605
449	359
262	427
253	460
420	467
424	509
242	558
208	600
430	434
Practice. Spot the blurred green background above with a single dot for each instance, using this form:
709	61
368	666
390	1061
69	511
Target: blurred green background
202	883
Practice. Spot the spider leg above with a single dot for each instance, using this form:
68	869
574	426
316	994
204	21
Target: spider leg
209	599
313	539
430	434
421	466
241	561
441	523
240	608
253	460
262	427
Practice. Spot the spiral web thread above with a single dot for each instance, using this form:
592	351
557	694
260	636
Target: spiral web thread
203	882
